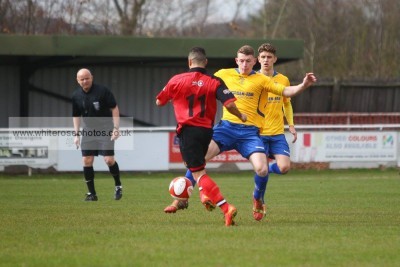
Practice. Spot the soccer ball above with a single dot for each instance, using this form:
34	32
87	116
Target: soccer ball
180	188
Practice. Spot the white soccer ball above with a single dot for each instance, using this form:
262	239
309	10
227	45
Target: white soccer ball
181	188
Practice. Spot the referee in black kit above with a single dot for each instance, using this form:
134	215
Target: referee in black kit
100	116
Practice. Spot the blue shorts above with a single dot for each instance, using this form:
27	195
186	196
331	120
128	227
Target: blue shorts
276	145
244	139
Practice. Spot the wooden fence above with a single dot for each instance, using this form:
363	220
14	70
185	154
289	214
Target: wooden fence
340	96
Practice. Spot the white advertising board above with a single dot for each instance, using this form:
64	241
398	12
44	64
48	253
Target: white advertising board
38	148
24	148
140	151
345	146
153	150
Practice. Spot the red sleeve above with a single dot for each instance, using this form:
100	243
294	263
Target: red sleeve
164	96
169	91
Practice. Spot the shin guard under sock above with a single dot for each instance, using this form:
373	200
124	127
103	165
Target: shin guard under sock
260	186
88	172
114	170
211	190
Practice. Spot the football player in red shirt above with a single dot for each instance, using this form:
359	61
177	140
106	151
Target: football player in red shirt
195	94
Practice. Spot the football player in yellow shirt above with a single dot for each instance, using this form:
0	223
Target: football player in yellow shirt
277	107
249	87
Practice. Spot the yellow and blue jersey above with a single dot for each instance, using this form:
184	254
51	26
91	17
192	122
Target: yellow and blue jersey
249	90
276	107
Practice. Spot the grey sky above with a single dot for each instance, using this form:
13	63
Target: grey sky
228	8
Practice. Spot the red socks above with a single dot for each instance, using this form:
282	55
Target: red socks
211	189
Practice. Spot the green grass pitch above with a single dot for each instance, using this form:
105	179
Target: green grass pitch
315	218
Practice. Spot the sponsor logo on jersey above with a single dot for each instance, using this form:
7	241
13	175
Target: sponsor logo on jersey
198	83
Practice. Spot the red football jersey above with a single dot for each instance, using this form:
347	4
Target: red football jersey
194	96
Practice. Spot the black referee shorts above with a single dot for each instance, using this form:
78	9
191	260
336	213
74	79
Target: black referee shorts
97	146
193	143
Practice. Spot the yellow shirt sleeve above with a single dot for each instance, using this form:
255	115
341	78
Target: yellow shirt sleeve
274	110
288	111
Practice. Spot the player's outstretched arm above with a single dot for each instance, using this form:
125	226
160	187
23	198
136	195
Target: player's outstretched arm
232	108
308	80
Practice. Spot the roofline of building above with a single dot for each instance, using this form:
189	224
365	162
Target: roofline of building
139	47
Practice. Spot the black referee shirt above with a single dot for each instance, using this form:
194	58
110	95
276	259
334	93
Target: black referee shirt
94	106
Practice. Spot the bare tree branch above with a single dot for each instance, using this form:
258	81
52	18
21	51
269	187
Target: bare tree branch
279	19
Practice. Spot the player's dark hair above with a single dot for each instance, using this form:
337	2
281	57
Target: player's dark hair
246	50
267	47
198	54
